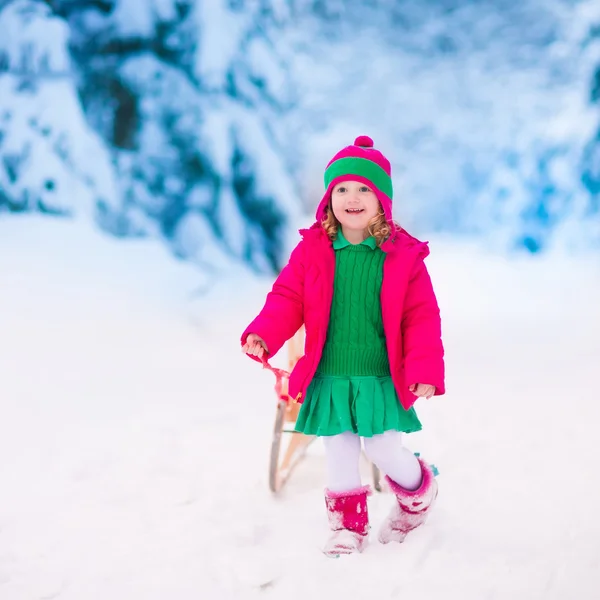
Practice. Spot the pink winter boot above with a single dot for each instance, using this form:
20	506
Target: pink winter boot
411	507
348	519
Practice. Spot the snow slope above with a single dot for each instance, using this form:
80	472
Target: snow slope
134	436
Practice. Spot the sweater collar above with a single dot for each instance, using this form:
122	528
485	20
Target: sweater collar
399	242
341	242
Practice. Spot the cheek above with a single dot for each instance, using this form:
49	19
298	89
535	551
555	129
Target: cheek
373	206
337	206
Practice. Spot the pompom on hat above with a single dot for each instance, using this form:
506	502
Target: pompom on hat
360	162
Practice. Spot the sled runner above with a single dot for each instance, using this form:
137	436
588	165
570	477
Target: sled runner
288	447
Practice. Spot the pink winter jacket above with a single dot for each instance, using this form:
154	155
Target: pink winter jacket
303	293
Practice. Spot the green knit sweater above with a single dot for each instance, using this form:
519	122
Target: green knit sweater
355	344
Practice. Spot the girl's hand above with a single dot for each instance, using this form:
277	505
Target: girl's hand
423	390
255	345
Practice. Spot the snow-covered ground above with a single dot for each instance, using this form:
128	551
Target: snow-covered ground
134	436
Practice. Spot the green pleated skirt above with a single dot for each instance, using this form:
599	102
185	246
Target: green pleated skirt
366	405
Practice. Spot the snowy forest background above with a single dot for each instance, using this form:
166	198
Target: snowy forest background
207	124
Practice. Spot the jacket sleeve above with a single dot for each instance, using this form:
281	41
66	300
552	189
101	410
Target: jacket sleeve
283	312
422	332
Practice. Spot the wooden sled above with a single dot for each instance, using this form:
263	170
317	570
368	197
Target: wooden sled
289	447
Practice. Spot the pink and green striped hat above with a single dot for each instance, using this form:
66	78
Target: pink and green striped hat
360	162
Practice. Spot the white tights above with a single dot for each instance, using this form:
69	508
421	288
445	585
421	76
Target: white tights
384	450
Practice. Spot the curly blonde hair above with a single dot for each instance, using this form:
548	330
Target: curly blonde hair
378	226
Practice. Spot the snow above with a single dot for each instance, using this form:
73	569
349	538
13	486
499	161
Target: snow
131	21
218	43
33	47
135	436
56	161
122	134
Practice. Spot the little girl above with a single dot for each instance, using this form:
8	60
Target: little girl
358	283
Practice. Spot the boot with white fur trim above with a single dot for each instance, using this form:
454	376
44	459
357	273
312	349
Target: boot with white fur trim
411	507
348	519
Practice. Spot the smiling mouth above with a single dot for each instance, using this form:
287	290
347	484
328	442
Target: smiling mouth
354	211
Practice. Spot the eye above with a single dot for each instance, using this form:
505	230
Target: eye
341	189
364	188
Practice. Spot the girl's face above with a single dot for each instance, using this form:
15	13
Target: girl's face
354	204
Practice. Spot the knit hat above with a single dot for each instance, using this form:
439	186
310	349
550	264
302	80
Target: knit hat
360	162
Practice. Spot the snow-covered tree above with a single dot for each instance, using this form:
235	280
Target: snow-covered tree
483	108
187	97
50	159
189	120
591	159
